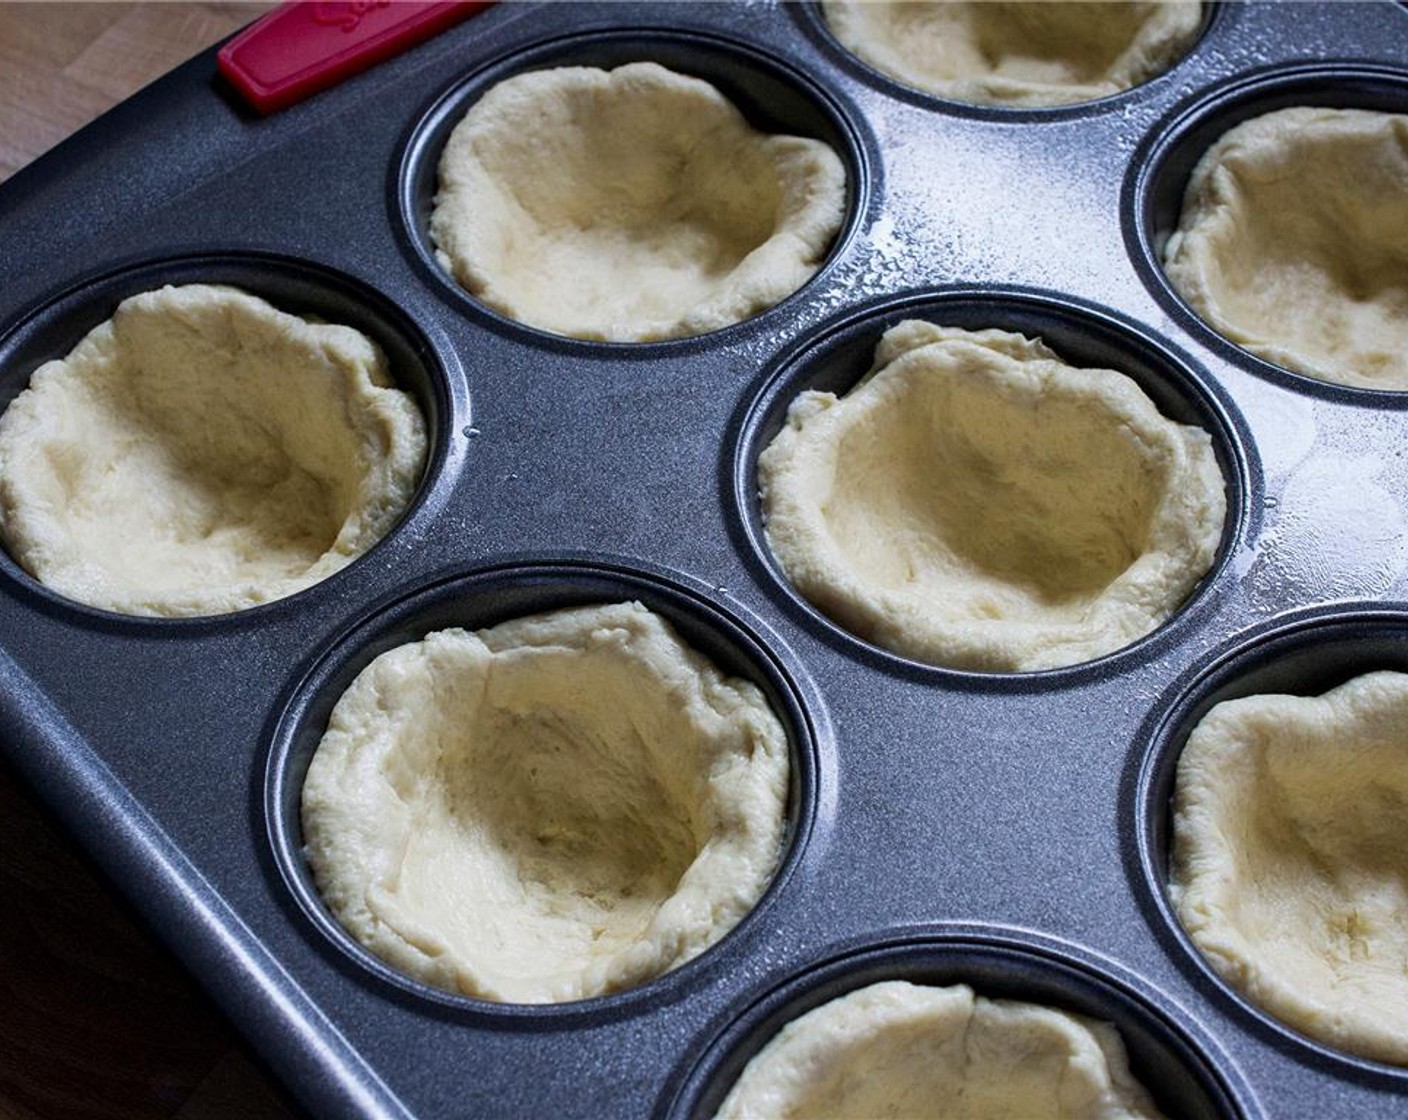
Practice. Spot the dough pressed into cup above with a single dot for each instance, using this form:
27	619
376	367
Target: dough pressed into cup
559	807
202	452
977	503
629	205
1293	243
898	1049
1034	53
1289	866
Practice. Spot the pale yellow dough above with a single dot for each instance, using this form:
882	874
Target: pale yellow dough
559	807
1045	52
1289	866
629	205
977	503
1293	243
203	452
909	1052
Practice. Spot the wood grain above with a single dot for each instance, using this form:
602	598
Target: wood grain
64	64
97	1021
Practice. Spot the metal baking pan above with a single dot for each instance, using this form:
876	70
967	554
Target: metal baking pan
1009	831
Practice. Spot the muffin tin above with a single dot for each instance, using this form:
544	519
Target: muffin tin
1004	830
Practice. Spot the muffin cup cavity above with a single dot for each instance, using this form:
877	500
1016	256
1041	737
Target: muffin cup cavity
1159	176
477	602
813	19
837	358
773	98
1183	1079
290	286
1308	656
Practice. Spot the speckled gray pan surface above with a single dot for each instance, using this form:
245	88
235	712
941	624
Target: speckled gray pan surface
1007	831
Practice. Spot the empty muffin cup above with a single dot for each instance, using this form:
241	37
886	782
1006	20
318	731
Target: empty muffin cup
1031	54
977	503
559	806
629	205
202	452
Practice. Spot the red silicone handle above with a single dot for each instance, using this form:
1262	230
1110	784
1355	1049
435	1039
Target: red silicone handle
301	48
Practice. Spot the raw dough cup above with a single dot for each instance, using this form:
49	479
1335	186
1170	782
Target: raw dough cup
1032	54
1293	242
558	807
1289	867
977	503
629	205
202	452
902	1050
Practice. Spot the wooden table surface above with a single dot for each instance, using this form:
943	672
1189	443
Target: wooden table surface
97	1020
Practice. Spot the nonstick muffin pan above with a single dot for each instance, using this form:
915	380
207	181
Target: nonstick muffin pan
1008	831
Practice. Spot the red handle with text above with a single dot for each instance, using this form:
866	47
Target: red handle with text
301	48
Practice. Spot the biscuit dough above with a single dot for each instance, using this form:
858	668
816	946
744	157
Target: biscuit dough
559	807
977	503
202	452
1035	53
629	205
1293	243
1289	867
897	1049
